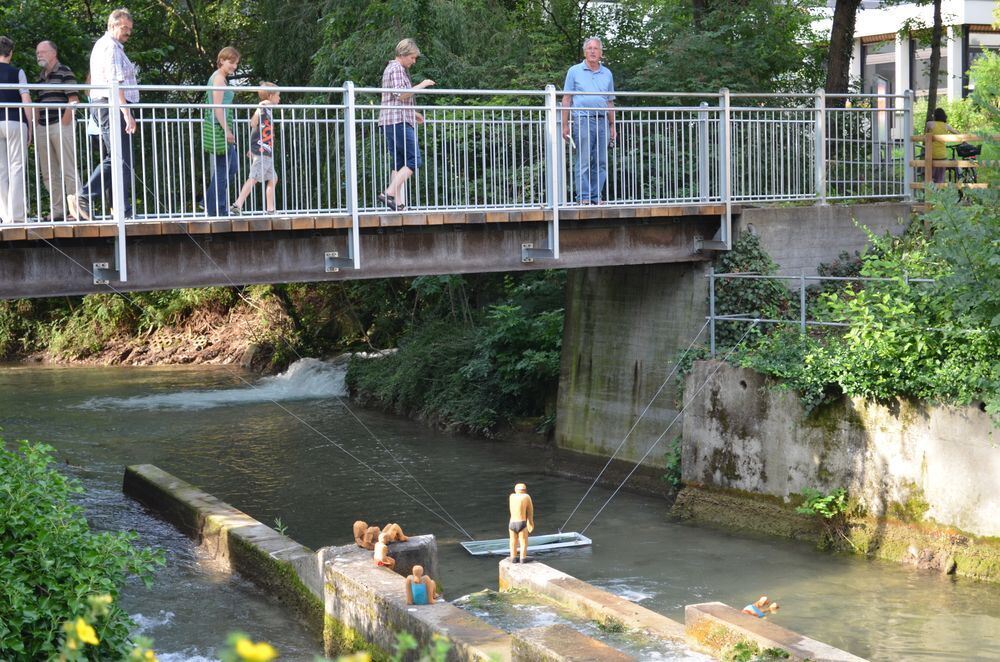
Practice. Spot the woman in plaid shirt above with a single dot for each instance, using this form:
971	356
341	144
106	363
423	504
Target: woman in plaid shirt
397	118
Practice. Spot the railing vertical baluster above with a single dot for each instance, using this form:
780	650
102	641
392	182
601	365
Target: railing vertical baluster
820	139
351	162
908	145
117	177
802	303
553	148
711	311
725	173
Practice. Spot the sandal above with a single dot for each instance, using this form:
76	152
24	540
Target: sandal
389	201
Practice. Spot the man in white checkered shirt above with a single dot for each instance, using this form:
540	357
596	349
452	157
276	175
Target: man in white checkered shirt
397	118
108	63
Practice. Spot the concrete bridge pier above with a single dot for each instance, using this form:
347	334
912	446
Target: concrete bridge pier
625	328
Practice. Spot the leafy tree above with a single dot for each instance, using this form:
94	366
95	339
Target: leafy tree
53	563
838	62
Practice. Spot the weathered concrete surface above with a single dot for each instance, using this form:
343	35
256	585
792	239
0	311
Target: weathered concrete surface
366	607
800	238
586	600
561	643
626	325
714	627
623	329
284	568
740	434
35	269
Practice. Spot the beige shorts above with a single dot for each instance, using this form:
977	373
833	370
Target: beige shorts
262	169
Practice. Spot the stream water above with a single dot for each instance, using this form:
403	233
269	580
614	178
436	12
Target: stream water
208	427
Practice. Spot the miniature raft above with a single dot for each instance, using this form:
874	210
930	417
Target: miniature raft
501	546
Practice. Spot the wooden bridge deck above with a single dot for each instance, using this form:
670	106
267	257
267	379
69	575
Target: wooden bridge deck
142	228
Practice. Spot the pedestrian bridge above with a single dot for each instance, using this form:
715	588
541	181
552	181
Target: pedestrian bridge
496	190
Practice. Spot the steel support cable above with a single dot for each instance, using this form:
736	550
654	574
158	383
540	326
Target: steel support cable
634	425
664	433
343	402
277	404
340	399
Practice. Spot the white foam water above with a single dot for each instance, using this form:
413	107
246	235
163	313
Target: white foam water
146	623
305	379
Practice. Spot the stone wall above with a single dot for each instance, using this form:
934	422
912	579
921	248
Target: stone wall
626	325
899	459
800	238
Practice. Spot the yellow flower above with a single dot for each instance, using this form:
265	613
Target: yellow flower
85	633
251	652
150	655
101	599
358	657
71	644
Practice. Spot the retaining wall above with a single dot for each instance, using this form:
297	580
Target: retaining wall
742	433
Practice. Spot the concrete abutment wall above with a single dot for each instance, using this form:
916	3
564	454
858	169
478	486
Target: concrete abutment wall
626	325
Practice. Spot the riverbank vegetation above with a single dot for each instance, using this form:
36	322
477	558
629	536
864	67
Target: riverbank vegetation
54	564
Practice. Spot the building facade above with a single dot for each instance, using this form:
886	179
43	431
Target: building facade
890	57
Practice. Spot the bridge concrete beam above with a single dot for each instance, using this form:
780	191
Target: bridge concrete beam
59	267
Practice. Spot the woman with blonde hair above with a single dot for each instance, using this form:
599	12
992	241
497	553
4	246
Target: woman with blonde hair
217	137
397	118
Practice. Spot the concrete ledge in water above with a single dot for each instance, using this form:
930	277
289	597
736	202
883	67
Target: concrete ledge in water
589	601
561	643
366	607
714	627
284	568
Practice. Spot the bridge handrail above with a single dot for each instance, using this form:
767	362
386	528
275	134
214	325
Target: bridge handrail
331	157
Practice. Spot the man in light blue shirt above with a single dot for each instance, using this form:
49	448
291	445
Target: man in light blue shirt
593	120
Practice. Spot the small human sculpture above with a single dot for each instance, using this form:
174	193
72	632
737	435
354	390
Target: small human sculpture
522	521
360	527
420	589
382	558
394	533
761	608
366	536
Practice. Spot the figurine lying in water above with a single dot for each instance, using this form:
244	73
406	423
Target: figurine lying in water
366	536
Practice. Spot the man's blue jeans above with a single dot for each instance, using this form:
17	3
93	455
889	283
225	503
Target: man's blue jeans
99	184
223	169
590	133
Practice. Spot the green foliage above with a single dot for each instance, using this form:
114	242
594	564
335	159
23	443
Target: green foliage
833	510
753	45
828	506
611	625
53	563
749	651
406	645
472	366
672	459
763	298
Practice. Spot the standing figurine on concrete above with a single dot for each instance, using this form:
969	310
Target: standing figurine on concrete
420	589
522	521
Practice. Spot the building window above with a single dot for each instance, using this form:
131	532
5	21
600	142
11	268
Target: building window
920	71
879	72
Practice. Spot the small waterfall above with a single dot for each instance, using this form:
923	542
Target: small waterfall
305	379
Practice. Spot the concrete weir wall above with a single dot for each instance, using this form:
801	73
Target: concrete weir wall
626	325
739	433
338	590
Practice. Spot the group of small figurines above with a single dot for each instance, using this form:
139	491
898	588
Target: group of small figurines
421	589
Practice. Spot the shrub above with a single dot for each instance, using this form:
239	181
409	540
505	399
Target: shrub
51	563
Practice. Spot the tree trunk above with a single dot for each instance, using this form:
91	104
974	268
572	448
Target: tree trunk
838	64
936	38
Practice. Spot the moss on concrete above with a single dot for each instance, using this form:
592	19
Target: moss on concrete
925	544
743	511
339	639
279	577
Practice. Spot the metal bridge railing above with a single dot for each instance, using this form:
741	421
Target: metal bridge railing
480	150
